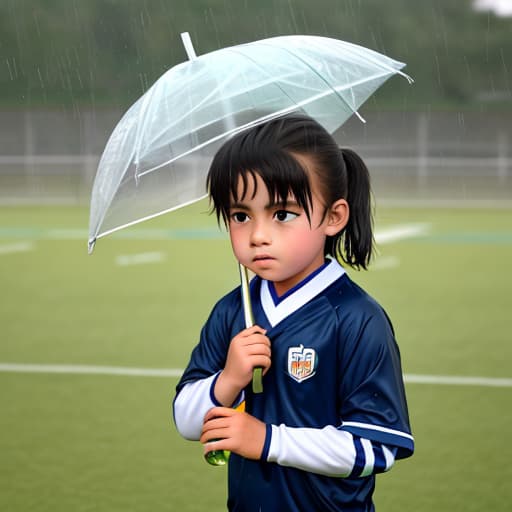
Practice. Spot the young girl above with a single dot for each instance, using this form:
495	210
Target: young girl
333	412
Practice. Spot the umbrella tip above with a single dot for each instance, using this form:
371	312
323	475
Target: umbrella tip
360	117
189	47
90	245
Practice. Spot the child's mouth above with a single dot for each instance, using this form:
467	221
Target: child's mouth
262	258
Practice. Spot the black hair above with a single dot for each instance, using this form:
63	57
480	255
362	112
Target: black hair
272	151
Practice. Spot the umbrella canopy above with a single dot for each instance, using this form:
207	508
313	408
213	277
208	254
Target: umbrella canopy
157	157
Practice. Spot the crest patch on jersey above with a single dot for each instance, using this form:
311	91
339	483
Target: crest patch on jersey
302	363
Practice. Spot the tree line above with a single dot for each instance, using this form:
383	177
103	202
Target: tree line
108	52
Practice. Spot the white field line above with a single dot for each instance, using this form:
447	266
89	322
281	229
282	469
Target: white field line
385	263
142	258
450	380
453	380
491	204
90	370
382	236
391	202
400	232
17	247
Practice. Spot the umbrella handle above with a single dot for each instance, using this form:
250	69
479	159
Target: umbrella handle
257	373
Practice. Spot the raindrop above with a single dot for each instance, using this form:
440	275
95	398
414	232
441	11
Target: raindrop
505	69
75	10
143	82
68	59
493	88
77	58
487	36
304	22
461	120
40	77
77	71
36	23
68	83
438	70
15	67
9	68
293	20
468	71
215	27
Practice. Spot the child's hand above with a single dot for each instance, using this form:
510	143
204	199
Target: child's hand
249	349
235	431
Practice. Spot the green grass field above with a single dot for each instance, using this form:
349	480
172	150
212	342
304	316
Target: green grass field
72	442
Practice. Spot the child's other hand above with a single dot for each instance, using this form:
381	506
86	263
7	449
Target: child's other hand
235	431
249	349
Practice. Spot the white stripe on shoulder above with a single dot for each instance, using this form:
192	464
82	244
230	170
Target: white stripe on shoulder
301	296
368	426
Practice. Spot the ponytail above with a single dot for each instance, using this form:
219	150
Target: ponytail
354	245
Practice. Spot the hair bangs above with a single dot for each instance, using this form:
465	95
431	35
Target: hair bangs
239	162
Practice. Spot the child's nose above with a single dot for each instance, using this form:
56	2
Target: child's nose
260	234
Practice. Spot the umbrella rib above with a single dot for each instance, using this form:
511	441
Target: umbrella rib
335	90
294	106
162	132
229	132
175	122
144	106
230	88
148	217
308	65
386	70
264	71
234	130
112	194
206	98
255	122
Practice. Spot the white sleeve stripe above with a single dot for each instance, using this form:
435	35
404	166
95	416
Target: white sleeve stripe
369	457
190	406
390	457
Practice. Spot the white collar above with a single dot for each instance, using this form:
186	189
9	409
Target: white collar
310	288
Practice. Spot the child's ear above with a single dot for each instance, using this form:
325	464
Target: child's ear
337	217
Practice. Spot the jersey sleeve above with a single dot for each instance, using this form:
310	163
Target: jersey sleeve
328	451
373	404
209	355
195	390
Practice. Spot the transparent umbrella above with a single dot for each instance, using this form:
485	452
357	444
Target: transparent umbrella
158	155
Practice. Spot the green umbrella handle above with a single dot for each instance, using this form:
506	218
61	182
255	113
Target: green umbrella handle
220	457
257	384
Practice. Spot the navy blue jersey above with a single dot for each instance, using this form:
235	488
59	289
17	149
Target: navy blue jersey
335	363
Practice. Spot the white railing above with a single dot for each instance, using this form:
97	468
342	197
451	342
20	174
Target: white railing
69	178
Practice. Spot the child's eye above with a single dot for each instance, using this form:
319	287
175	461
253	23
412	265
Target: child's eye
239	217
285	216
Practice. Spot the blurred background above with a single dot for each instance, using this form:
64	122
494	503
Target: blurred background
91	347
69	69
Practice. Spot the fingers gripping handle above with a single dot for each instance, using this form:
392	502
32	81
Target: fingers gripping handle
257	384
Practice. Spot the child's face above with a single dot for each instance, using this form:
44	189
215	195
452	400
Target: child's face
277	243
